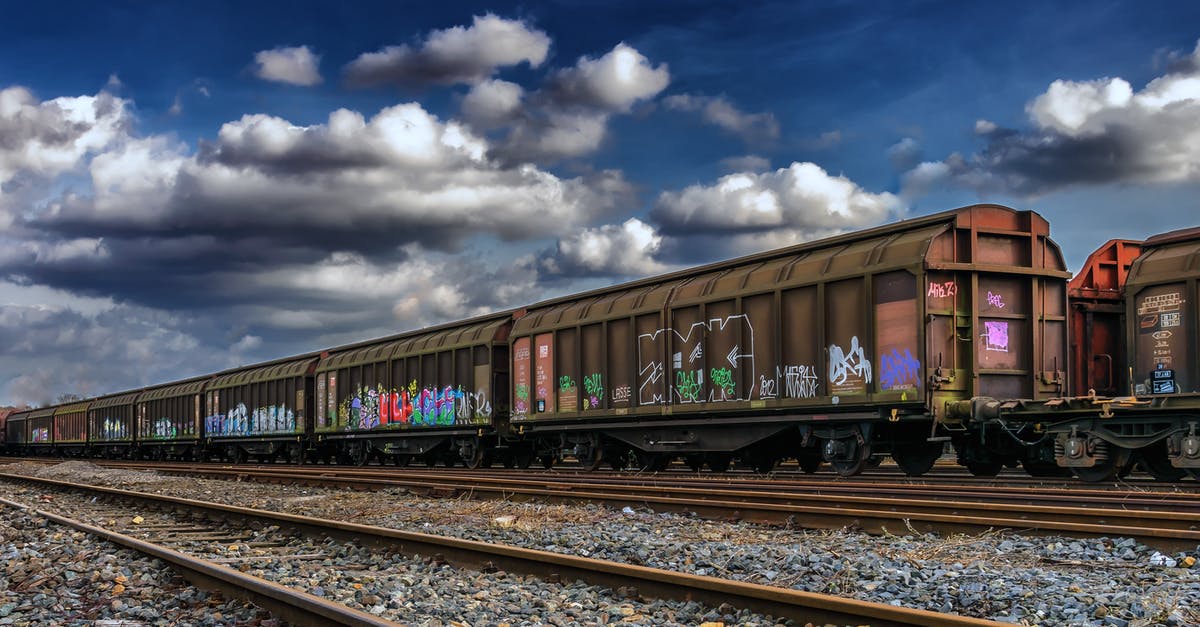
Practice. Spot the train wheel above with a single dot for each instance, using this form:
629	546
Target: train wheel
1155	461
916	458
523	460
984	469
695	462
848	456
1194	472
547	461
472	454
592	459
718	462
1117	461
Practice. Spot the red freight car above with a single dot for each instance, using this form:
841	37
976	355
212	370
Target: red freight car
1097	305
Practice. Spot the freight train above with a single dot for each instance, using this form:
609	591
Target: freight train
962	327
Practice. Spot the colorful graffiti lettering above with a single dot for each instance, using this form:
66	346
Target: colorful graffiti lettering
114	429
522	394
593	385
943	290
241	421
722	379
995	336
688	384
163	429
995	300
898	371
40	434
800	381
566	383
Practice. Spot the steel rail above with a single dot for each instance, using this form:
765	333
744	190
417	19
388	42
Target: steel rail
1170	530
652	582
292	605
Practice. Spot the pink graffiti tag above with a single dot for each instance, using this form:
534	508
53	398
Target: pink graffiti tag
995	300
942	290
995	336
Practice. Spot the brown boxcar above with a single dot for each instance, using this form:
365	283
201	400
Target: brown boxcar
1097	306
111	425
39	431
436	394
259	410
70	429
838	349
167	420
16	431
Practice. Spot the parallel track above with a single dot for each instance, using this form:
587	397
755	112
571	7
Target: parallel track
784	603
1167	520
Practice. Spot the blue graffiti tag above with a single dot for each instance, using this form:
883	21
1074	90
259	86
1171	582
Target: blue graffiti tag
898	371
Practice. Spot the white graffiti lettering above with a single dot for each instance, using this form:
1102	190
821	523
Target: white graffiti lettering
844	364
651	369
800	381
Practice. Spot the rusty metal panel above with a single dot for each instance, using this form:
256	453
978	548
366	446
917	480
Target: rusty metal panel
802	360
621	363
850	368
70	423
595	386
1004	326
521	376
729	345
1002	250
543	373
685	344
763	380
567	370
651	382
896	325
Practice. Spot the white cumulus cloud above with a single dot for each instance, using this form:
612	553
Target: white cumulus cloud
295	65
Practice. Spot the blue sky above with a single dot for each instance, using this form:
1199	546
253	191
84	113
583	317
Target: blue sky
190	187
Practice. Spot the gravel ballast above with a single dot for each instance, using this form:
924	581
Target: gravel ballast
51	575
1002	576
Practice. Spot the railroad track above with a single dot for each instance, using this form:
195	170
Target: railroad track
1165	520
187	524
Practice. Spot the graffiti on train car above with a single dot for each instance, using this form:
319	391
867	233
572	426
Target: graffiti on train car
800	381
372	408
593	387
689	378
899	371
849	370
39	434
261	421
114	429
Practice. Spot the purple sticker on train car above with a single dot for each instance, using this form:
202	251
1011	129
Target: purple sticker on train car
995	336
